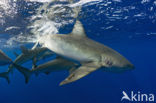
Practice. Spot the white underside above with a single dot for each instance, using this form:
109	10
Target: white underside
66	50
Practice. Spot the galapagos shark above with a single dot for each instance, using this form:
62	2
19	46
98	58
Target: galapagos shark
57	64
34	54
89	53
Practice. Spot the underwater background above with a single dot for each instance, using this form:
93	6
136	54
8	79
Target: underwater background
127	26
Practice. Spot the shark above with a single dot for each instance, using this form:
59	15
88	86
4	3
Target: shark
91	54
58	64
6	76
35	54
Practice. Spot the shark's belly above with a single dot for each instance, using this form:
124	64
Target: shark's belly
68	50
51	67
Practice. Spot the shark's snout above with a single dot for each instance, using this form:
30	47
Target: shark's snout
126	64
130	66
119	62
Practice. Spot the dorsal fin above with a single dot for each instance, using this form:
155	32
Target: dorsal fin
78	29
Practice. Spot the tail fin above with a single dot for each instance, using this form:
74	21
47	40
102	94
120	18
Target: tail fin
26	72
6	76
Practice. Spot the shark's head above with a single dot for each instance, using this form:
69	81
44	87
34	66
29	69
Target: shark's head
117	62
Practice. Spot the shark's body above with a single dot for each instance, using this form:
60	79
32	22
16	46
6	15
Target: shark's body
91	54
4	59
45	55
34	54
58	64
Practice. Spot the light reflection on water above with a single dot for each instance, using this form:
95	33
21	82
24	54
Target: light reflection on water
25	21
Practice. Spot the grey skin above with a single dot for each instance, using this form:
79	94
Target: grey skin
44	55
4	59
91	54
58	64
33	54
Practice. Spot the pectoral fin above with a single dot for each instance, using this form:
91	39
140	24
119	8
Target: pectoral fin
81	72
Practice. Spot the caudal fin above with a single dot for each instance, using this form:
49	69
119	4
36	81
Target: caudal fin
6	76
26	72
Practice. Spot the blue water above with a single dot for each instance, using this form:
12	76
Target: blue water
135	38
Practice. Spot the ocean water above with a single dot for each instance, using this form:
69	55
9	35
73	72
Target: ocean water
126	26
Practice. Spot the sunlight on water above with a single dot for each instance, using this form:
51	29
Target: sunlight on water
47	19
7	8
26	20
